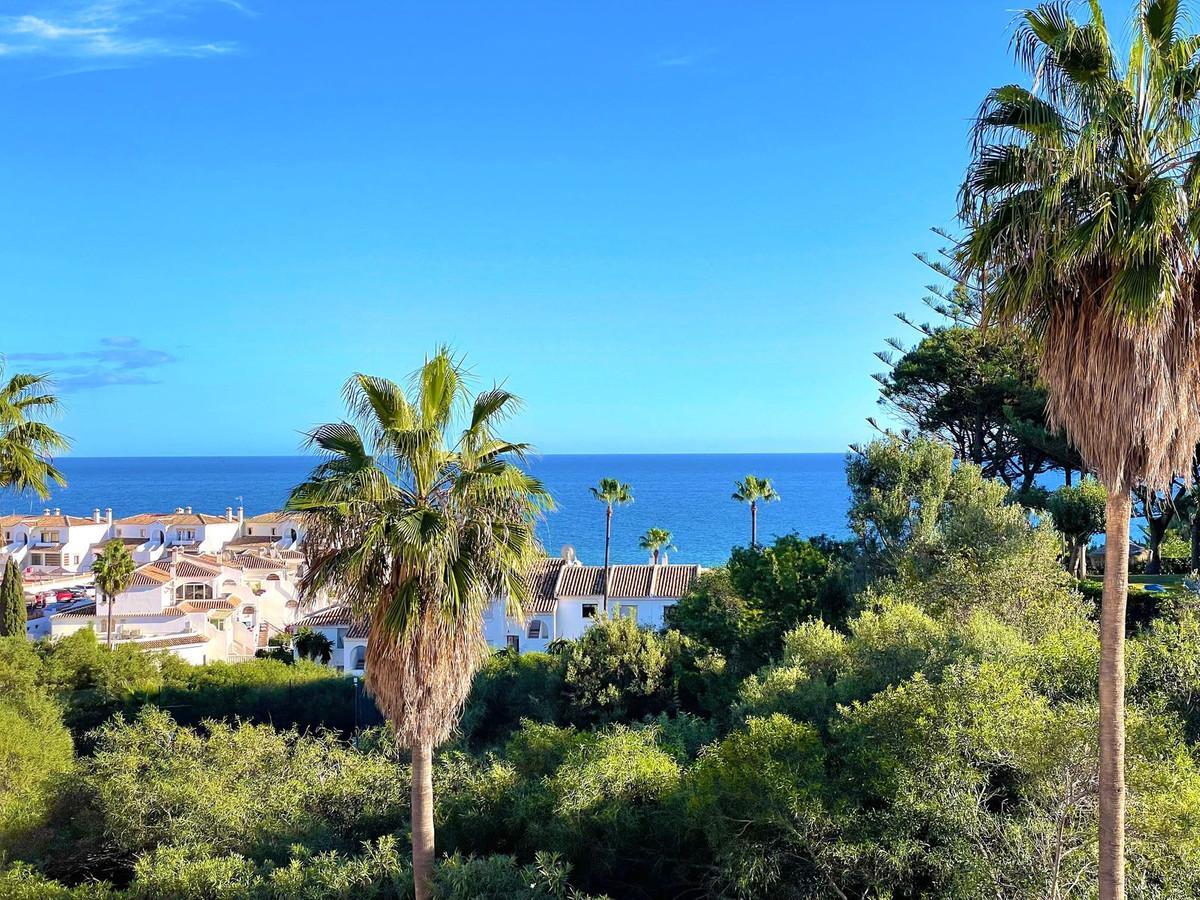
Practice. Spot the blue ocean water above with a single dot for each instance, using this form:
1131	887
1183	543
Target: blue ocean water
687	494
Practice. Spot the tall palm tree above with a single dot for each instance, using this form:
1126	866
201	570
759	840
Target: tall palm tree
611	493
1082	201
416	516
755	490
27	442
113	569
656	540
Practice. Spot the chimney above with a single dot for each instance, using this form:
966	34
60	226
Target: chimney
96	515
188	510
108	515
241	514
46	511
663	559
229	514
57	511
179	510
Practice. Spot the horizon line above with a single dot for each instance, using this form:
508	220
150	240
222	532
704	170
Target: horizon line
66	456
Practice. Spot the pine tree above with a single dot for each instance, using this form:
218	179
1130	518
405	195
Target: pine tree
12	602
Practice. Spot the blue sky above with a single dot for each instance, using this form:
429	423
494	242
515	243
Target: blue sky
670	226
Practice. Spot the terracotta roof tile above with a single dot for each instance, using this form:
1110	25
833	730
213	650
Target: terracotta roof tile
150	575
60	521
543	581
330	615
270	518
185	640
359	630
581	581
174	519
630	581
188	606
674	581
251	561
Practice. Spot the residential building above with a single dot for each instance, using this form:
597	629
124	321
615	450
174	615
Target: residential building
54	544
565	600
226	606
152	536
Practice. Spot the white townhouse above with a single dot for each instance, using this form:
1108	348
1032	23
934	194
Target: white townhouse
565	599
152	536
282	531
208	607
347	636
53	544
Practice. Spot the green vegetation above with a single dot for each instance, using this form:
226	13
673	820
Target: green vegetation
610	492
656	540
113	569
1080	199
754	490
12	601
416	524
806	727
27	441
1078	514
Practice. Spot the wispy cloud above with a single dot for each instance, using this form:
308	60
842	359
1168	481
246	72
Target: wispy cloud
118	360
110	32
681	60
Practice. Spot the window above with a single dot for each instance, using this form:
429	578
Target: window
629	612
35	559
76	560
249	531
8	537
514	642
49	537
186	535
537	630
589	610
194	592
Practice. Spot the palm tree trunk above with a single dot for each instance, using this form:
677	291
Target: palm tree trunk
607	541
1195	560
422	821
753	524
108	601
1112	695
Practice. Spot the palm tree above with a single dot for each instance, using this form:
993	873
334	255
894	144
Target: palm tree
611	493
1082	202
113	569
27	442
417	515
755	490
313	645
655	540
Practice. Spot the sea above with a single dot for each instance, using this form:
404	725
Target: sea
688	494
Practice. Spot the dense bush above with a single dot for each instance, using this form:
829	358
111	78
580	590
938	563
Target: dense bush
936	737
94	683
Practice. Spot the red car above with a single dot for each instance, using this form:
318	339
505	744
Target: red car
62	595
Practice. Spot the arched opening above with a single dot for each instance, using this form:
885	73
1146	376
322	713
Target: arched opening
359	659
193	591
272	578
